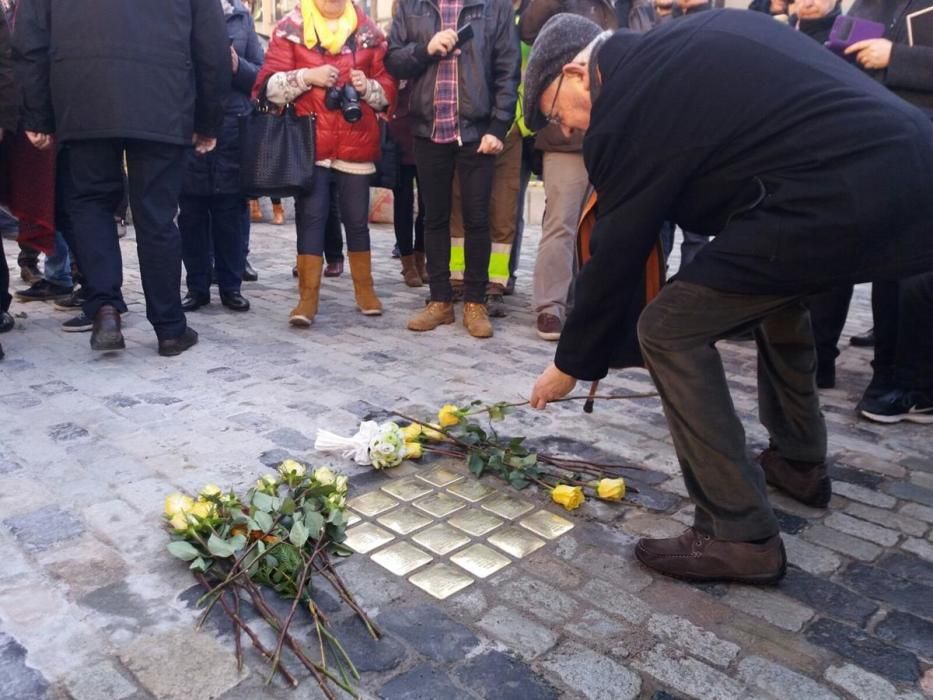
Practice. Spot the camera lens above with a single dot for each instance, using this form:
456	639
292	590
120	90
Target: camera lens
333	98
351	104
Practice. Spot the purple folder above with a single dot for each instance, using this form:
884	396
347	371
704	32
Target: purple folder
850	30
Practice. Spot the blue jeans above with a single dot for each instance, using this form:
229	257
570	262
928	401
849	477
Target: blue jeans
57	269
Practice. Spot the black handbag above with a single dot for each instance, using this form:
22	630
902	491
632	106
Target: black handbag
276	151
389	164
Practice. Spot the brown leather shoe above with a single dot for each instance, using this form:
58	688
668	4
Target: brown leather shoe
334	269
410	271
436	313
278	214
476	320
255	211
106	335
548	327
696	556
170	347
806	482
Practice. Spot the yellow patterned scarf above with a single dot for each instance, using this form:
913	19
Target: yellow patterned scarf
316	27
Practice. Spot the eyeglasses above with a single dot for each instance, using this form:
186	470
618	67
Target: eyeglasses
551	119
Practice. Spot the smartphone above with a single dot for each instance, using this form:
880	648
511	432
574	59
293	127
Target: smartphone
464	34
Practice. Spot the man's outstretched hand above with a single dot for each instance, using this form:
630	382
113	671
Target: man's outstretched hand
551	385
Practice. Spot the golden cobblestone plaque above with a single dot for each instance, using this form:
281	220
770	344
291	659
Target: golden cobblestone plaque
401	558
366	537
404	520
471	490
353	519
516	541
546	524
475	522
439	504
441	539
372	503
480	560
507	506
440	476
407	489
441	580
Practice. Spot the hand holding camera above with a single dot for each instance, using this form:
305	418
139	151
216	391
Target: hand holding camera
322	76
359	80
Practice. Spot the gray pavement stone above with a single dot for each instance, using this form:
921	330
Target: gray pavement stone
827	597
907	631
100	681
539	599
841	542
687	675
527	638
430	631
368	654
922	548
809	557
859	528
909	567
911	492
880	516
612	599
498	676
780	681
770	606
422	682
884	585
865	650
871	497
44	528
865	685
594	626
17	679
592	675
699	642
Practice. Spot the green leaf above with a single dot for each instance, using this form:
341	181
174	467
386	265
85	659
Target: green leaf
237	542
476	464
183	550
518	480
263	502
288	506
220	547
530	460
314	523
200	564
263	521
299	534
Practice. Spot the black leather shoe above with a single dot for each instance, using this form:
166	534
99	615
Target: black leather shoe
235	301
106	334
6	321
169	347
193	303
866	340
249	274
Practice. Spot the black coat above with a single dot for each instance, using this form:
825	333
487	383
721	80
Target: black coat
156	70
218	172
809	174
817	29
8	98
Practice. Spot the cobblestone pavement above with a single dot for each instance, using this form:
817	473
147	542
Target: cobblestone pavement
93	607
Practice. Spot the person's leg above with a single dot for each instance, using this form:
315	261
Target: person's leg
691	245
524	179
5	298
457	238
333	235
194	225
403	209
228	212
57	269
435	164
28	261
502	208
311	212
476	172
156	171
885	308
354	212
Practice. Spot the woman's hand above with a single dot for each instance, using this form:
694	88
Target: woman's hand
359	81
872	54
322	76
442	43
552	384
40	141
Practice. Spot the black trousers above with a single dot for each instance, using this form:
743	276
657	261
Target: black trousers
312	211
94	188
333	231
213	225
828	312
903	319
403	211
436	163
5	298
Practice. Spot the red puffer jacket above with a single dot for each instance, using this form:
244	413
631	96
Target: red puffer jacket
335	137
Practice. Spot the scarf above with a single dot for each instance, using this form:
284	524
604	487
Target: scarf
317	29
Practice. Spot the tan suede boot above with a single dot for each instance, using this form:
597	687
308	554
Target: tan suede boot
421	265
255	211
476	320
436	313
278	214
309	287
410	271
361	270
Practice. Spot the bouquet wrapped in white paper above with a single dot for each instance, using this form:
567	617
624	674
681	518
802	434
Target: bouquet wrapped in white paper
379	445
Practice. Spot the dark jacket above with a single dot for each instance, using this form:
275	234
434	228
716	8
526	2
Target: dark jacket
489	66
157	70
910	72
8	96
809	174
816	29
218	172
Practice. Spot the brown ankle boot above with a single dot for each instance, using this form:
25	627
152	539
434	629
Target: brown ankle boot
255	211
361	270
421	265
410	271
436	313
476	320
278	214
696	556
309	287
808	483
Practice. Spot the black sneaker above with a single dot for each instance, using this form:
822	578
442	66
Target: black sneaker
900	404
43	291
6	320
79	324
74	301
495	305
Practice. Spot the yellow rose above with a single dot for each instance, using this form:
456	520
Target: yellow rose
430	432
449	415
202	509
267	481
291	468
324	476
570	497
210	490
411	431
177	503
340	483
179	521
611	489
413	450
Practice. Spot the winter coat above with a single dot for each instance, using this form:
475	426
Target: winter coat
539	12
488	66
8	97
400	126
910	71
816	29
218	172
365	50
157	70
809	174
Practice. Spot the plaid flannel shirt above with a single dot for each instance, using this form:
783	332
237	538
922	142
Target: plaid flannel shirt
446	123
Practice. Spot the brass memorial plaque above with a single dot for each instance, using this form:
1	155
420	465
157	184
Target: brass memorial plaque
441	539
366	537
546	524
439	504
440	476
404	520
407	489
353	518
507	506
516	541
480	560
372	503
441	580
471	490
401	558
475	522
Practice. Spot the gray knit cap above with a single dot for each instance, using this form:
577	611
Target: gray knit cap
561	38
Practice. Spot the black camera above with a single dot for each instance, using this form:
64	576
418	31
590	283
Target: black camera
346	99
